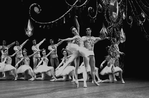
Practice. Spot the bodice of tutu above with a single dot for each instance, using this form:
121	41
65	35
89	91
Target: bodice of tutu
26	61
111	61
8	60
45	61
78	40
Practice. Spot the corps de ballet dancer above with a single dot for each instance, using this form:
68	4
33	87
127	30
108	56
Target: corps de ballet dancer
8	64
54	61
25	67
18	48
111	69
35	47
64	71
43	67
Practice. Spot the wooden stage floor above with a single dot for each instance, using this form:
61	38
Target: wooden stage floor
46	89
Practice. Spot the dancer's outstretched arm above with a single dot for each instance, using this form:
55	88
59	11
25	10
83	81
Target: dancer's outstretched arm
41	42
21	46
10	45
77	24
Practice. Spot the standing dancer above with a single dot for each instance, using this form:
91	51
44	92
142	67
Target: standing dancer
89	42
43	67
18	48
77	49
35	48
25	67
53	56
5	47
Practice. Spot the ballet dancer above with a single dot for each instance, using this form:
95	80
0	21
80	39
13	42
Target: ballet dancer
54	61
36	57
5	47
18	48
64	71
89	42
25	67
8	64
43	67
111	69
76	46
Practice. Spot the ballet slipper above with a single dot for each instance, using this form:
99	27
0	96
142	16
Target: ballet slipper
85	85
77	83
96	83
32	79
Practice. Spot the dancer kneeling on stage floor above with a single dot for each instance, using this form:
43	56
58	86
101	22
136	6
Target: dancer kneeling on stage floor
43	67
62	70
111	70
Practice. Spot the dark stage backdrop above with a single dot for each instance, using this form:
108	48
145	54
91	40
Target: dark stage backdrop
14	20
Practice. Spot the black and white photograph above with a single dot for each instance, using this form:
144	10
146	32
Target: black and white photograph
74	49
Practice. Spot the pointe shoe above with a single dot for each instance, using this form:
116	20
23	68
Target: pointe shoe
123	81
32	79
96	83
77	83
100	81
85	85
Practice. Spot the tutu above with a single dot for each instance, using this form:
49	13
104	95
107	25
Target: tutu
42	68
23	68
2	65
9	67
72	47
106	70
117	69
84	52
67	70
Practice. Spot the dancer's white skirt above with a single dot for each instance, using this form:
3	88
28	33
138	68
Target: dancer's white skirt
108	70
42	68
9	67
64	71
23	68
2	65
74	48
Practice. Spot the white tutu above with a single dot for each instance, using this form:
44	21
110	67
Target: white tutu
67	70
2	65
117	69
72	47
8	67
42	68
84	51
23	68
106	70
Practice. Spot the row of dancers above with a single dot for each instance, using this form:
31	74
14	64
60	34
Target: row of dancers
77	47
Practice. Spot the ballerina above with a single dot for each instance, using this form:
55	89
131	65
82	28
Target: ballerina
64	71
25	67
36	57
43	67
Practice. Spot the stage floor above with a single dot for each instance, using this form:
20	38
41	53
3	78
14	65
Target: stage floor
46	89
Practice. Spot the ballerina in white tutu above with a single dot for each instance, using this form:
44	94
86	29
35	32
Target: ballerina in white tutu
25	67
64	71
111	69
43	67
35	48
4	47
8	64
18	48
